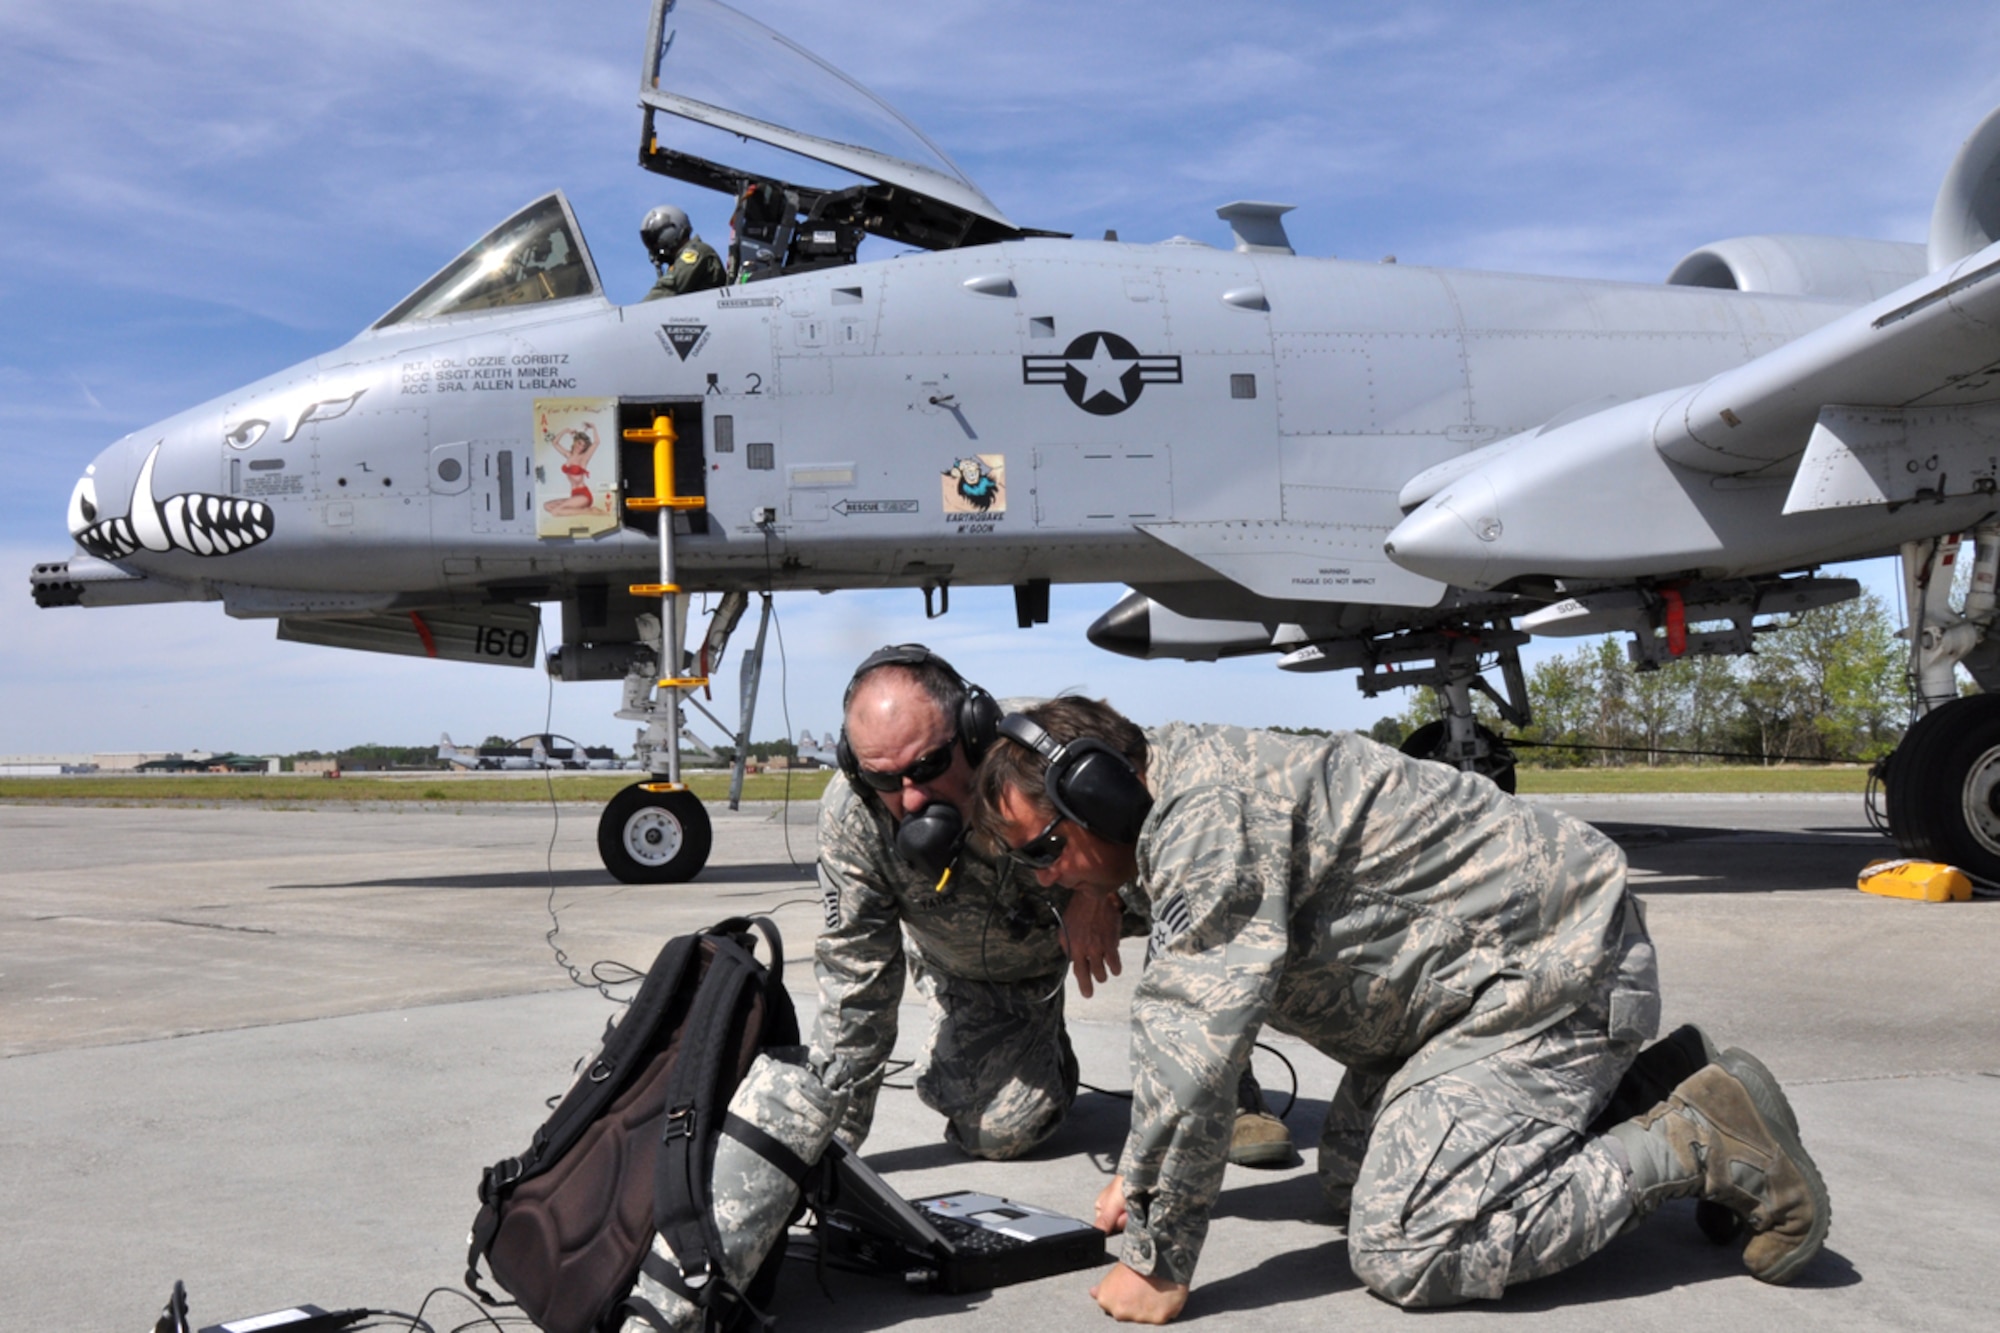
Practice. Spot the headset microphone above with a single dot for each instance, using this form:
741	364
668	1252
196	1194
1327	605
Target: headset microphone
929	840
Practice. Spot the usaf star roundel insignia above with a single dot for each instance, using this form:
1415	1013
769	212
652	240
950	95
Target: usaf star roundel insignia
1101	372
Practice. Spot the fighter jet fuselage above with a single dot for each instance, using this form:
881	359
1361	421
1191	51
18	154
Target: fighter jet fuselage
1035	409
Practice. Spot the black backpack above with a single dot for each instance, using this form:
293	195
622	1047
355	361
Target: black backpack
565	1226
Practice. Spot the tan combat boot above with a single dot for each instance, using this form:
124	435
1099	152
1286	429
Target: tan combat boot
1258	1139
1660	1068
1729	1136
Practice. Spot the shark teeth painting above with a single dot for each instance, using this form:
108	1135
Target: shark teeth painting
191	521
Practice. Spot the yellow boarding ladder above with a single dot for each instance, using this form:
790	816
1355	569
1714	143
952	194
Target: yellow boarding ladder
661	433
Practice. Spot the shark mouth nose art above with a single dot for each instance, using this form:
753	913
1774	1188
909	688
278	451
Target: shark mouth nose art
191	521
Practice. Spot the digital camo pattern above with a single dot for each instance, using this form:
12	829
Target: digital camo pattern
752	1198
1404	918
680	1314
991	927
1343	1140
998	1064
1461	1194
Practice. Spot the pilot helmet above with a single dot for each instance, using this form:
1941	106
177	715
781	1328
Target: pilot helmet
664	231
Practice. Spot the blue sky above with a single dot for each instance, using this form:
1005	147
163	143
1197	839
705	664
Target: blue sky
196	195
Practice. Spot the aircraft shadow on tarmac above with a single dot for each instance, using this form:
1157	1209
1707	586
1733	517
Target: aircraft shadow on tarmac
1733	860
591	878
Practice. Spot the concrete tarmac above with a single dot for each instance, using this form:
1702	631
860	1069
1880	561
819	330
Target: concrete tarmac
269	1051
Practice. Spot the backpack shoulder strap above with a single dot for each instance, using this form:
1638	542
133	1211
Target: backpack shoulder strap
781	1020
682	1200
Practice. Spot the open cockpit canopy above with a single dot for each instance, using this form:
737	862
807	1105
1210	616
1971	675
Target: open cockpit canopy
712	66
537	255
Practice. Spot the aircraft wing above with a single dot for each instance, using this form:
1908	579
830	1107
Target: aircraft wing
1934	344
1895	402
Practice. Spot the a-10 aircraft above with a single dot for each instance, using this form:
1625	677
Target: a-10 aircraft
1374	467
539	751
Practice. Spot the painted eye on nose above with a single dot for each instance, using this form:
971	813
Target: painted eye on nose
82	505
247	433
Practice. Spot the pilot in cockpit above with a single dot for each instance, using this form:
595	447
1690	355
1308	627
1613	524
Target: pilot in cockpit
685	263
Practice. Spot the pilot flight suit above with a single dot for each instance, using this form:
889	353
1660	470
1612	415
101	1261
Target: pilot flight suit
985	953
695	269
1474	961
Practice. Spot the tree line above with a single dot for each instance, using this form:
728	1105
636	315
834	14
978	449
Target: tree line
1829	684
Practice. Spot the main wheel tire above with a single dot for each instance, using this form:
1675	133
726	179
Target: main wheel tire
1497	764
654	837
1944	787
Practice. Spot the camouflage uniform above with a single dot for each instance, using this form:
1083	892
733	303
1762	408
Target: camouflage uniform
752	1196
696	268
985	954
1474	962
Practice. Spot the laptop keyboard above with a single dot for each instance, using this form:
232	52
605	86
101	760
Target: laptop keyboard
970	1237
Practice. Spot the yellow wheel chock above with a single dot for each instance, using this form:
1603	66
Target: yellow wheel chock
1919	881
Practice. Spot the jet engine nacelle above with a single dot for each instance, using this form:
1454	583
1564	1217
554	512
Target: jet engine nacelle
1837	268
1966	217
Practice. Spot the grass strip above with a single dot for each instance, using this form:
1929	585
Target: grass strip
449	788
1704	779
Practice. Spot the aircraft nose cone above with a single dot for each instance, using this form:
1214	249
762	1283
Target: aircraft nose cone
82	504
1453	537
153	501
1126	629
100	503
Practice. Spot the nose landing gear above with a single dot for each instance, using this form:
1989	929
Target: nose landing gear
649	834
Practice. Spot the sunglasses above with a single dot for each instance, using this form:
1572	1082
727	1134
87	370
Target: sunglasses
1043	850
928	767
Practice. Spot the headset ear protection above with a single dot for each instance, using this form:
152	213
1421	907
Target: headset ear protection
978	714
1089	783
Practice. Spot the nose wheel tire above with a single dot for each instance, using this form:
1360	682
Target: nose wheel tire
1497	763
654	837
1944	787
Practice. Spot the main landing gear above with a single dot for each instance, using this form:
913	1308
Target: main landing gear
1458	658
1943	781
